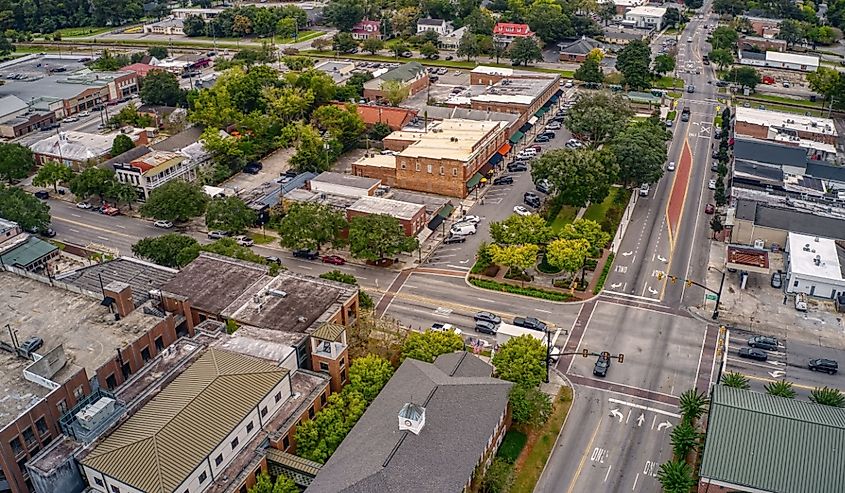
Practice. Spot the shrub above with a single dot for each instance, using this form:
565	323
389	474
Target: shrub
525	291
604	272
547	268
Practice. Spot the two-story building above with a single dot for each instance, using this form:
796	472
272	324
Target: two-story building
439	26
506	32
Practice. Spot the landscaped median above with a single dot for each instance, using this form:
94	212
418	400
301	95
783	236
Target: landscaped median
506	287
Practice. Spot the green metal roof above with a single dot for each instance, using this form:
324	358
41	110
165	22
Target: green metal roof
28	252
541	112
475	180
516	136
403	73
769	443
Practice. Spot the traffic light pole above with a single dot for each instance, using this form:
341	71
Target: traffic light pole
690	282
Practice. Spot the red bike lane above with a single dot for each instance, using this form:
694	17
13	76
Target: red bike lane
678	194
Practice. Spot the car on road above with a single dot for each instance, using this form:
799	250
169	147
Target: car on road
644	189
454	239
463	229
568	84
690	88
84	113
273	260
488	317
31	345
83	205
669	123
110	211
244	241
42	194
470	219
763	342
776	280
503	180
216	235
486	327
522	211
824	365
753	353
333	259
602	365
71	119
711	184
671	166
530	323
442	71
709	209
306	254
517	167
441	327
163	224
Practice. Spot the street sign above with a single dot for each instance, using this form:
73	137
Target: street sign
710	297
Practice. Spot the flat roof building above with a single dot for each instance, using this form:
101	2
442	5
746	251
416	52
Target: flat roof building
75	149
411	216
645	17
768	125
343	184
780	60
815	266
770	224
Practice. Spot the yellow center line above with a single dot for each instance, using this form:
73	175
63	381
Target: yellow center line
771	380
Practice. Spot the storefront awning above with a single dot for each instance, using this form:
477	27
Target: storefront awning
441	216
495	159
556	96
540	112
516	137
526	127
532	120
505	149
474	181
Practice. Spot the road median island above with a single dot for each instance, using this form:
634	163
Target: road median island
533	292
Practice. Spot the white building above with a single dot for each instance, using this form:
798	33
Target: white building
206	14
439	26
780	60
453	39
645	17
815	266
171	26
343	184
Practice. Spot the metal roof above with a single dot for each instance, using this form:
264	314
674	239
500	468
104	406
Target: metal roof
157	448
329	332
768	443
32	250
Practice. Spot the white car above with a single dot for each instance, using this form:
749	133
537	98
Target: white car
553	126
163	224
644	189
712	184
85	113
470	219
70	119
522	211
527	152
244	241
83	205
463	229
671	166
568	84
439	327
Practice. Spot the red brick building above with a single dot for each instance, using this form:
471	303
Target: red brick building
411	75
412	217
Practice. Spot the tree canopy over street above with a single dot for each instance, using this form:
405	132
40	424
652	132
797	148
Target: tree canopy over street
311	225
229	214
578	175
176	200
376	236
30	213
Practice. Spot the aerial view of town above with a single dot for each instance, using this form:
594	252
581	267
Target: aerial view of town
422	246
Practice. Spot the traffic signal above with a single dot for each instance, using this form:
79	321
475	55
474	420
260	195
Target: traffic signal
585	353
620	358
689	283
673	279
660	276
605	354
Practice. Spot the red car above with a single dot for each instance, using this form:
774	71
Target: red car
333	259
535	147
709	209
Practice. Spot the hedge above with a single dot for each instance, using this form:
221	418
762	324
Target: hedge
604	272
526	291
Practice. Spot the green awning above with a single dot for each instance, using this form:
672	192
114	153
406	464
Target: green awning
540	112
475	180
446	210
516	137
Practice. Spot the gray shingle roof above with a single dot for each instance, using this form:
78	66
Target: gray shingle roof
790	220
460	417
581	46
141	276
769	443
180	141
463	364
403	73
826	171
770	153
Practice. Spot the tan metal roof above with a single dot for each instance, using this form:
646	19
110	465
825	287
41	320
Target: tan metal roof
329	332
159	446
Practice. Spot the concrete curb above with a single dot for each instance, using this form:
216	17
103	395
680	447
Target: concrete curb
562	426
466	281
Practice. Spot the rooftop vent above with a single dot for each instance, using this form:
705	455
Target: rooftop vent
300	319
411	418
806	247
817	260
277	292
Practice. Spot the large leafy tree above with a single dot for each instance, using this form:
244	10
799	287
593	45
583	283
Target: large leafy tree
343	42
633	62
567	255
524	51
318	438
229	214
162	87
579	176
378	236
283	484
394	91
468	46
519	257
23	208
176	200
824	81
590	71
724	38
640	153
313	153
744	76
52	173
121	144
92	181
664	63
311	225
521	360
369	374
373	45
122	193
170	250
722	58
289	103
589	230
529	405
16	161
518	230
598	117
344	124
791	31
427	346
548	20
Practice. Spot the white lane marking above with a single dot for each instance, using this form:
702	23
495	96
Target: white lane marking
486	300
644	408
75	215
542	311
104	238
74	230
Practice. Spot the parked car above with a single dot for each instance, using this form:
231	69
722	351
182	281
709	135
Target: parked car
544	186
517	167
273	260
454	239
824	365
554	126
801	302
709	209
84	113
522	211
333	259
529	323
83	205
31	345
711	184
110	211
602	365
163	224
503	180
216	235
244	241
753	353
532	199
472	219
306	254
253	168
763	342
549	134
441	327
542	138
776	280
488	317
42	194
644	189
690	88
486	327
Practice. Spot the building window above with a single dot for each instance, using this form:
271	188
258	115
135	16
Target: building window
62	406
429	167
264	411
203	477
218	460
145	354
28	435
79	392
98	482
324	366
454	171
402	166
115	489
235	443
278	396
311	412
249	427
417	167
16	445
441	170
111	383
159	343
323	399
285	442
41	425
342	376
796	284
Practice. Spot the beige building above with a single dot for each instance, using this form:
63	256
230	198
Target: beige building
775	125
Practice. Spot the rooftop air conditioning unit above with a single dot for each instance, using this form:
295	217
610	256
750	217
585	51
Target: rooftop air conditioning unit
759	244
277	292
92	415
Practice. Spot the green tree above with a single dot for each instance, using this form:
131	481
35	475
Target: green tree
379	131
122	193
724	38
590	71
791	31
344	124
283	484
676	477
519	257
823	35
824	81
589	230
730	7
427	346
744	76
159	52
519	230
368	375
344	14
373	45
378	236
288	103
607	11
428	49
312	152
298	63
344	43
567	255
162	87
286	28
693	405
722	58
672	17
121	144
640	153
735	380
719	194
395	91
193	25
684	439
633	62
828	397
598	117
781	388
498	478
529	405
229	214
30	213
52	173
664	63
521	360
716	225
468	46
92	181
399	48
549	21
176	200
524	51
168	250
579	176
318	438
364	300
311	225
16	162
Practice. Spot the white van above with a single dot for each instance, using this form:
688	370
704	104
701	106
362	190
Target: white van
463	229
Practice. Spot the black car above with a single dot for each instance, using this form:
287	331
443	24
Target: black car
273	260
529	323
824	365
602	365
517	167
47	232
486	327
503	180
306	254
753	353
549	134
253	168
488	317
454	239
542	138
763	342
42	194
532	201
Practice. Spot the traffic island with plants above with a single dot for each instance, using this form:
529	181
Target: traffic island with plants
680	474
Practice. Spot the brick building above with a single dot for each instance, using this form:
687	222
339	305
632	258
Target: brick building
577	50
758	42
411	75
770	125
412	217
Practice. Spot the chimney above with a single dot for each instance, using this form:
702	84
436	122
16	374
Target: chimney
411	418
122	295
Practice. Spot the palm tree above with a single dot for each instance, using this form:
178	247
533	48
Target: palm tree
684	439
693	405
781	389
827	397
676	477
735	380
